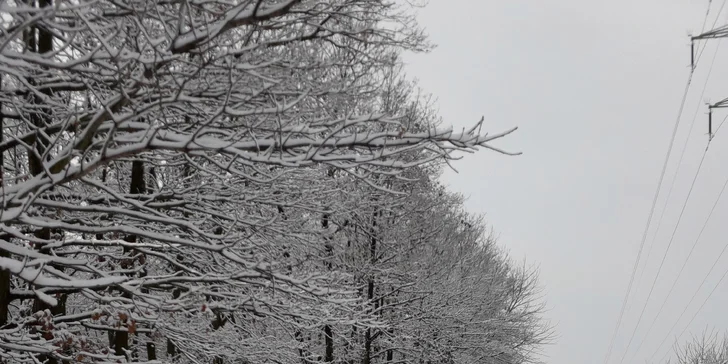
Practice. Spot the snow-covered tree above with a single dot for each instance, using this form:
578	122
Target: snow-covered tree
706	349
234	181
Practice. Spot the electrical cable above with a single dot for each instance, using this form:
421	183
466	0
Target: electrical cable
649	218
662	306
679	164
654	203
709	272
699	309
664	256
712	27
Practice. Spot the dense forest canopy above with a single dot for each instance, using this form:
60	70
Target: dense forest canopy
243	181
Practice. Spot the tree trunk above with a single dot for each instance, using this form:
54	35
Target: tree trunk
329	337
121	343
136	187
302	353
354	336
328	332
390	352
4	274
217	323
368	336
104	174
40	41
171	351
151	351
187	173
4	291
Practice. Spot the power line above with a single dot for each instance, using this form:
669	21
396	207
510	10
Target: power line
705	21
679	164
649	218
654	202
695	294
719	125
668	197
720	10
672	184
702	305
705	223
664	256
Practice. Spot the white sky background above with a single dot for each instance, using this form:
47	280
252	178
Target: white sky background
594	87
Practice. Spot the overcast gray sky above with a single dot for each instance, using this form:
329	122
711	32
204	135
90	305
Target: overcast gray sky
594	87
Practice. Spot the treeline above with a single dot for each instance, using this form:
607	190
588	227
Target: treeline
248	181
710	348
